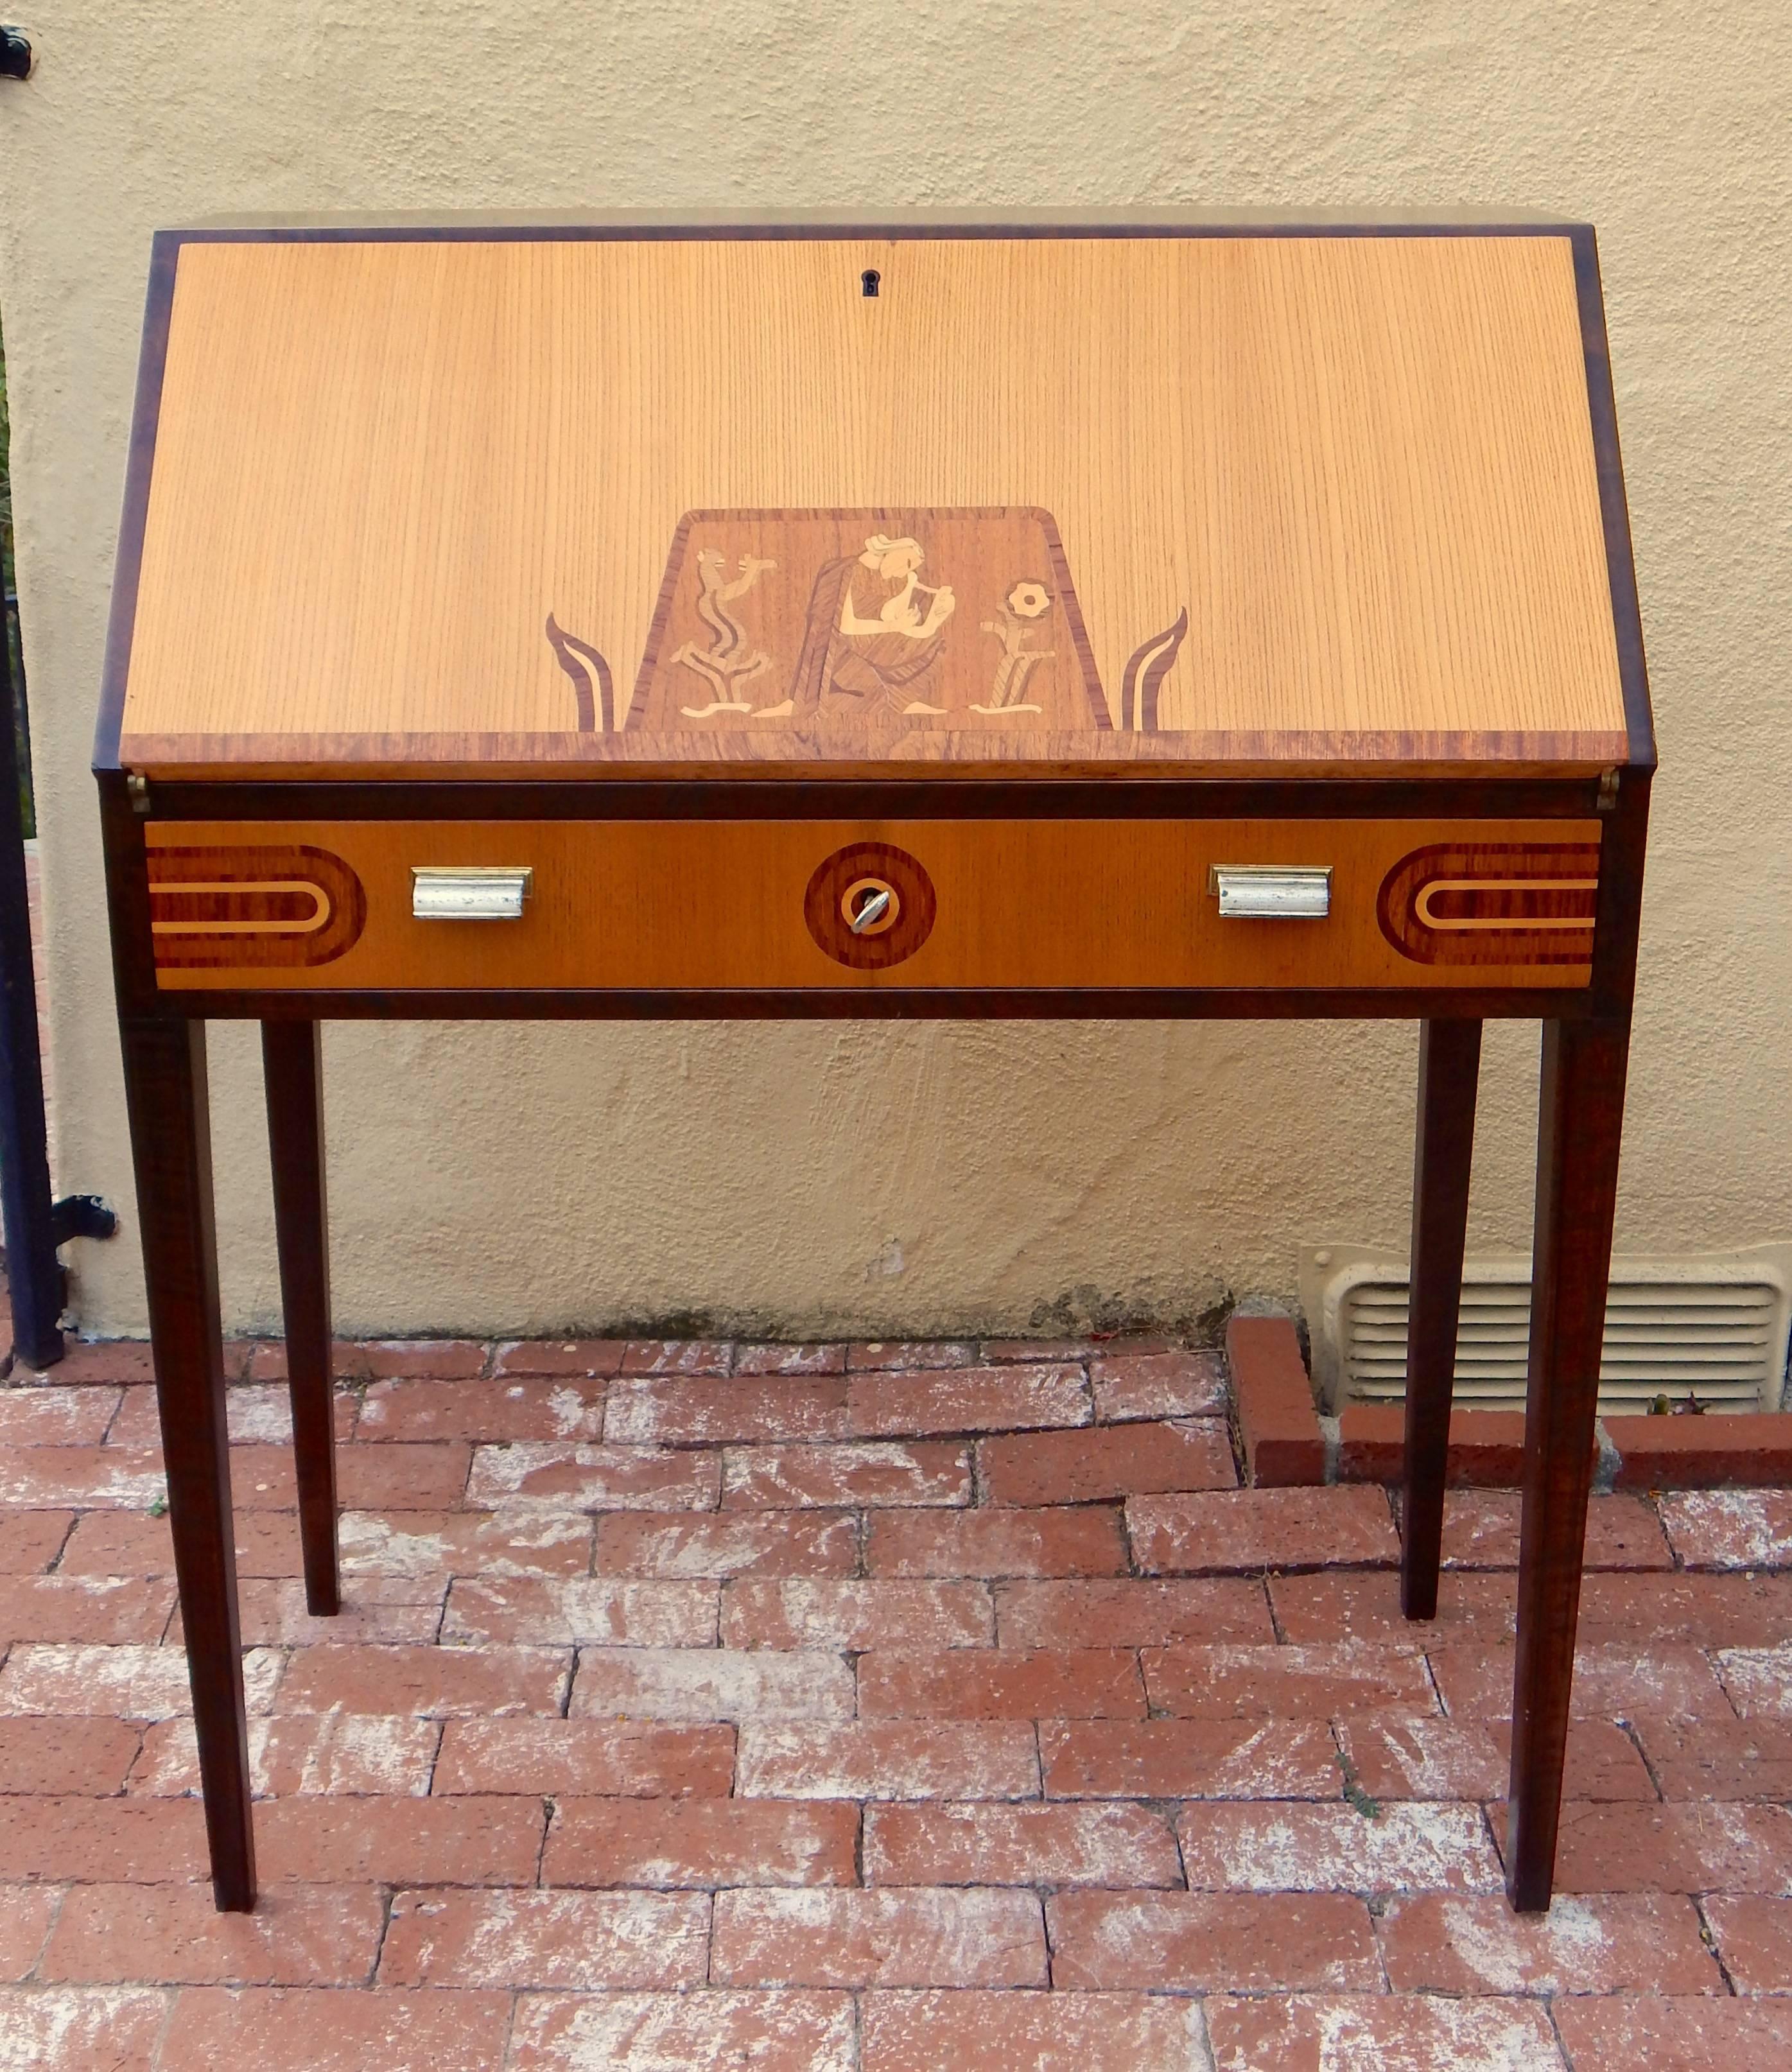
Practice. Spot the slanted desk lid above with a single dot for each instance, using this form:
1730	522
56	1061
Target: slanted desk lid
607	500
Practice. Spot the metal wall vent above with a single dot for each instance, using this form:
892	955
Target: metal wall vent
1714	1328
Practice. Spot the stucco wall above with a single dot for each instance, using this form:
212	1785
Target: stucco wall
923	1177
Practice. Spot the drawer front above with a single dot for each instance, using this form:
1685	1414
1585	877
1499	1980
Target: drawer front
793	905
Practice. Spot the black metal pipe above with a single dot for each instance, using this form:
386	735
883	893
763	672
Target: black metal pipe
32	1269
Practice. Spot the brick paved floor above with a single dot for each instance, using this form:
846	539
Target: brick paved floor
894	1707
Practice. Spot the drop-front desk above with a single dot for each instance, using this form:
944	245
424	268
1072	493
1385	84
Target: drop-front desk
1095	617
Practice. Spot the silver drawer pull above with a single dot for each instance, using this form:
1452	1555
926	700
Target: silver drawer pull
469	892
1273	891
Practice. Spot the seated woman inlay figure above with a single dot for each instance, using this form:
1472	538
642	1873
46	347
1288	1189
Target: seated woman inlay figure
874	636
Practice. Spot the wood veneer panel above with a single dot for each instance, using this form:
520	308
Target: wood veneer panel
1363	467
642	904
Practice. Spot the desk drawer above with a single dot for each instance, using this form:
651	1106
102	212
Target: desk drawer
650	905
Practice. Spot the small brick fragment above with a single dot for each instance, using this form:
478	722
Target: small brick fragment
1277	1421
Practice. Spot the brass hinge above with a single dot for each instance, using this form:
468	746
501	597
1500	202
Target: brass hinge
1607	792
138	785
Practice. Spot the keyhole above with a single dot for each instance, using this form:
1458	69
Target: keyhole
868	279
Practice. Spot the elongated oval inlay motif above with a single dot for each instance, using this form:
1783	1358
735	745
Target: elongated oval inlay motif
252	907
1493	903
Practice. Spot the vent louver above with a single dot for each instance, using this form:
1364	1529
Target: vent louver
1714	1328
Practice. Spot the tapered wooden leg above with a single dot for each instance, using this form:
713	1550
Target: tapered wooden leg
171	1148
1449	1069
1577	1151
292	1066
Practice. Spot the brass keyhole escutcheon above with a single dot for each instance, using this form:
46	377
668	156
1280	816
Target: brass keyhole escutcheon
870	906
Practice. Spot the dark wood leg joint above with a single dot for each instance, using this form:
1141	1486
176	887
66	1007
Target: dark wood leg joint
1581	1124
292	1064
165	1086
1449	1069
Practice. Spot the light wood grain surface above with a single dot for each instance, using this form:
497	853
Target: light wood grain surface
1363	466
716	904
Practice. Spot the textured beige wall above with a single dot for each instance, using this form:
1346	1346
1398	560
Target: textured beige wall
921	1177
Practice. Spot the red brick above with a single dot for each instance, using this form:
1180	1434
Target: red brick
1715	1757
581	1359
1480	1531
433	1545
576	1478
429	1476
1641	1943
1261	1528
81	1478
680	1410
95	1608
1610	1679
882	1472
1699	1452
1084	1683
56	1416
355	1754
1709	1611
623	1759
978	1399
116	1543
1277	1422
324	1840
63	1755
1125	1613
25	1913
1756	1678
1713	1847
1365	1605
1157	1385
706	2032
1236	1846
701	1683
916	1938
584	1941
324	2031
701	1843
556	1610
482	1411
85	1361
824	1612
1486	1447
995	1543
1299	2033
1423	1756
880	1356
436	1683
992	1843
1206	1758
1118	1460
93	2031
780	1544
100	1841
30	1540
131	1683
385	1610
1033	1350
1675	2035
384	1359
676	1356
172	1935
1731	1528
1004	2031
890	1759
257	1416
1305	1681
790	1359
1182	1941
1754	1938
